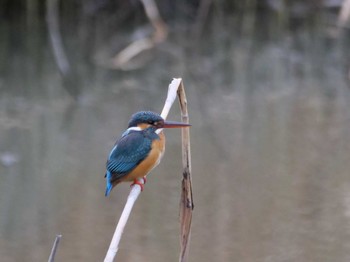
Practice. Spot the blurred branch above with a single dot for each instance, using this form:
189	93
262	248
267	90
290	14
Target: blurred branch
52	19
343	17
161	30
344	14
202	15
70	82
54	248
160	34
132	50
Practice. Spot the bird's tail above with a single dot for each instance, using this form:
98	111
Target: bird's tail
109	185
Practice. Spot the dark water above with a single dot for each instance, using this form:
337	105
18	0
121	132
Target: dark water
270	146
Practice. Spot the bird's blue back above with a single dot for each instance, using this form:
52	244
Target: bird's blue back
129	151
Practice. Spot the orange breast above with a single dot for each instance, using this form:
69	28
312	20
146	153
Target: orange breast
150	162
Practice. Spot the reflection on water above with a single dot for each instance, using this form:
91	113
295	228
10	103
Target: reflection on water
270	141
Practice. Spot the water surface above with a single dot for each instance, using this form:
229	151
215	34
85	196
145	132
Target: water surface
270	137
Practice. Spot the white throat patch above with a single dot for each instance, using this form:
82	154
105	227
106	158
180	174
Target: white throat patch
134	128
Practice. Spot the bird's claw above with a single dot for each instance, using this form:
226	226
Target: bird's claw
138	182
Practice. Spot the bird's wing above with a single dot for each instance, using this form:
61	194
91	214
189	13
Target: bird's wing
129	151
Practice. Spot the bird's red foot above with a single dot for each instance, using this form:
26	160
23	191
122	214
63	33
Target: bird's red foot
137	182
144	179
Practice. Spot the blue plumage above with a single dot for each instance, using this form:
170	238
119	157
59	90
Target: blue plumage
135	146
129	151
109	184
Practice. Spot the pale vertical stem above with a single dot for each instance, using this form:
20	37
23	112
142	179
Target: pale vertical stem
170	99
54	248
172	92
186	202
113	247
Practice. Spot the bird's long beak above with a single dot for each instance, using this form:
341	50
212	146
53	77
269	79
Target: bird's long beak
174	124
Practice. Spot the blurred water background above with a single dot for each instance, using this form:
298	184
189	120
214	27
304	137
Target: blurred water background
267	84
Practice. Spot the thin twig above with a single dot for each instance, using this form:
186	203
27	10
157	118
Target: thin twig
186	202
54	248
52	19
201	18
161	30
344	13
171	96
70	81
136	189
113	247
131	51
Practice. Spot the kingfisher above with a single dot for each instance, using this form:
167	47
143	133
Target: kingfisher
139	150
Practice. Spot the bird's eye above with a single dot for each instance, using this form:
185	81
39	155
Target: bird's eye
155	123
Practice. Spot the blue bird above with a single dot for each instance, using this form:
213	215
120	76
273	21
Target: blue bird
139	149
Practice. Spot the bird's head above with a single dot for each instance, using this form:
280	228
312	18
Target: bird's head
144	119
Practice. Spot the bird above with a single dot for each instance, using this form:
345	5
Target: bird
139	149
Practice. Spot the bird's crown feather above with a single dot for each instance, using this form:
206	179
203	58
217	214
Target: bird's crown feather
144	117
